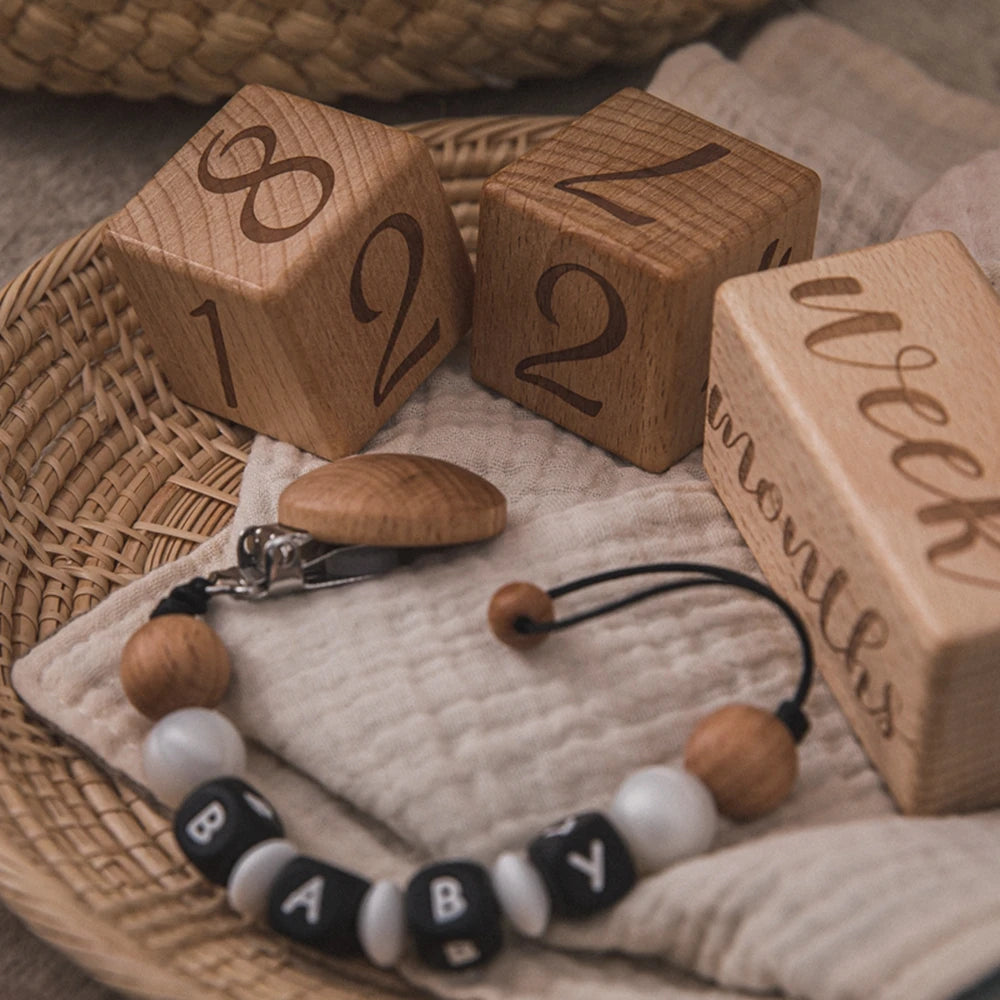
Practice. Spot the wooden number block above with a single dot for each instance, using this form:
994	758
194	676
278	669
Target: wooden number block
599	253
296	269
852	431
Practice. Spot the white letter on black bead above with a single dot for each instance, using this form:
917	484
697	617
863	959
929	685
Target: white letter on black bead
309	895
567	826
463	952
258	805
584	864
592	866
203	827
448	902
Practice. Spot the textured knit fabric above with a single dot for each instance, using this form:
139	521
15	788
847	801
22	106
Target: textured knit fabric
391	728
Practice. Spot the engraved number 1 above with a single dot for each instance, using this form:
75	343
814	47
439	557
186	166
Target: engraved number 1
209	311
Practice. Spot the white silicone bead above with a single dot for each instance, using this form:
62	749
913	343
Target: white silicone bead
382	924
522	894
188	747
253	875
664	814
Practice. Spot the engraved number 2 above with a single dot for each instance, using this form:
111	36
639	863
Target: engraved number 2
410	230
603	344
706	154
211	313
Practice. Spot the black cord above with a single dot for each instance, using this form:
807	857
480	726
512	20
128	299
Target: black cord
790	712
188	599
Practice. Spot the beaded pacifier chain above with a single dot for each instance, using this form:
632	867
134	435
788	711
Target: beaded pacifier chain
345	522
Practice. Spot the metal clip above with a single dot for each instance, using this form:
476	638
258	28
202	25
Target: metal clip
273	559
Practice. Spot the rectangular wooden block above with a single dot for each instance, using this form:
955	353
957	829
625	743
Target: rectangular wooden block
296	269
853	431
599	254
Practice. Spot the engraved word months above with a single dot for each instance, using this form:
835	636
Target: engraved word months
868	631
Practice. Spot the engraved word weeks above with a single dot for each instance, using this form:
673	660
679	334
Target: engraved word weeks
967	543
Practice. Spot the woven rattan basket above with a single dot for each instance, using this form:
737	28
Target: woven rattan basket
106	475
205	49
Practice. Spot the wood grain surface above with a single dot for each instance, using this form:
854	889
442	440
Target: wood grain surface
599	254
852	433
387	499
296	268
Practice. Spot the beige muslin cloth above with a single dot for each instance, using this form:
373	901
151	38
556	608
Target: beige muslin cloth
390	728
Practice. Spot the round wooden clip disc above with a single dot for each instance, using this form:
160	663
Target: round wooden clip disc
393	500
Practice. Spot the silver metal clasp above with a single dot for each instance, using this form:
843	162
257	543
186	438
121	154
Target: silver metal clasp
273	559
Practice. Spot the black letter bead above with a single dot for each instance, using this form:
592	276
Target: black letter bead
453	916
316	904
219	822
585	864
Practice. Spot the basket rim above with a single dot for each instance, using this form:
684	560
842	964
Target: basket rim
463	150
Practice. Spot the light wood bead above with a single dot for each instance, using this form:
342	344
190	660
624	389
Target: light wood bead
517	600
393	499
746	757
172	662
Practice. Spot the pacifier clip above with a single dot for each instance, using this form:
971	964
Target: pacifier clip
348	521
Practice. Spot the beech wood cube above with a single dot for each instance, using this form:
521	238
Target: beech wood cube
296	269
599	253
852	431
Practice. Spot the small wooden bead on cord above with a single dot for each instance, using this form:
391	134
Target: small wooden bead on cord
744	755
740	760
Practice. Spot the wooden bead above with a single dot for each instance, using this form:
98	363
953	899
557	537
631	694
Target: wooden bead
172	662
386	499
519	600
747	758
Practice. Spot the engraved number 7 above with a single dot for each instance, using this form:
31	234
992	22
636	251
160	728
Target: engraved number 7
708	153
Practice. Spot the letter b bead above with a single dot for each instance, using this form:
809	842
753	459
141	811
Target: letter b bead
584	863
453	915
219	822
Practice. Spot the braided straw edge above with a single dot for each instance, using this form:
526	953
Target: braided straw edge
202	50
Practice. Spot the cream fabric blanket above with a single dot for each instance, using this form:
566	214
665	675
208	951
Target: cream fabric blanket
390	728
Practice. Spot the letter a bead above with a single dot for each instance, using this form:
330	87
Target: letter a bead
585	864
453	915
317	904
219	822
